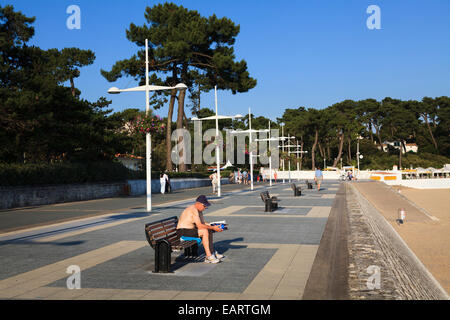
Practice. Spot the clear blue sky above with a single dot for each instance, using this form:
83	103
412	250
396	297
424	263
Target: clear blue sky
303	53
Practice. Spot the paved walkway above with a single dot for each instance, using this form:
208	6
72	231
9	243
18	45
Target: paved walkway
20	218
268	255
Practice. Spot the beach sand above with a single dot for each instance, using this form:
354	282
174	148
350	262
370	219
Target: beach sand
430	240
426	236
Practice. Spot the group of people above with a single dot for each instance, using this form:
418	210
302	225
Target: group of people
243	177
164	180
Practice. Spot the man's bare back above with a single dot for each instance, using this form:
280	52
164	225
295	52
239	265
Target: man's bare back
190	218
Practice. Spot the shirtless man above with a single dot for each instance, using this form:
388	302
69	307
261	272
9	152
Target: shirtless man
192	224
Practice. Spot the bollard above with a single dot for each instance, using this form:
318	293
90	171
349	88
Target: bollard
401	215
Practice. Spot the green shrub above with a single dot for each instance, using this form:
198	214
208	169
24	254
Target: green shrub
61	173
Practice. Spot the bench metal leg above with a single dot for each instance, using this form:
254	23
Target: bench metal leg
191	251
162	257
269	205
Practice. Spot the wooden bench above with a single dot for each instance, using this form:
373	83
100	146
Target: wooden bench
309	184
297	190
271	203
163	238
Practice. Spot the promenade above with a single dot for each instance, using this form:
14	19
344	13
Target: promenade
268	255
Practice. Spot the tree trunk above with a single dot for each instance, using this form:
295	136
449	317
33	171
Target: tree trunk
72	86
349	140
377	130
322	152
169	131
313	150
328	150
182	166
341	146
431	132
370	132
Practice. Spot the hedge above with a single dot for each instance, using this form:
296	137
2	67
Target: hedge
61	173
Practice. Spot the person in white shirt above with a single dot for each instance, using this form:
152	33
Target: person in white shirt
214	179
162	181
168	188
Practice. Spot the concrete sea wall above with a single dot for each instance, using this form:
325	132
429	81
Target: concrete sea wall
25	196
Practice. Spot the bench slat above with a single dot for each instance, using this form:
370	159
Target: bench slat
166	230
159	223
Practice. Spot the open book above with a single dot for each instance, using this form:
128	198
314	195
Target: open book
222	224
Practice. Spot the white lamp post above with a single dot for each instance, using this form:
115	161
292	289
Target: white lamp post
270	158
250	131
282	138
217	117
289	152
147	88
301	153
358	156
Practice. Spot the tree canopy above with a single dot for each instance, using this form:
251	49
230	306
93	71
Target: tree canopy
184	47
40	118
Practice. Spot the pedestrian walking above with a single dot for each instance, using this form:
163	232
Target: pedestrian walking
318	178
245	176
168	188
214	181
162	181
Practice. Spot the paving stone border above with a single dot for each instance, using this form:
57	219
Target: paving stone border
372	241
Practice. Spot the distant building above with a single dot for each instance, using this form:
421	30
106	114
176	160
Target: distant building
410	146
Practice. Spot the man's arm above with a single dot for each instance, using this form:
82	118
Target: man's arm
202	225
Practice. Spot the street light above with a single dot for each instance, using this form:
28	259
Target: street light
358	156
295	152
270	158
283	138
250	131
147	88
217	117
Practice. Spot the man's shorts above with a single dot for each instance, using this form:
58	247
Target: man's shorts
188	233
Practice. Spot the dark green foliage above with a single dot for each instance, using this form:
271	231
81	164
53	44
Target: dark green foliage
40	119
426	122
184	47
63	173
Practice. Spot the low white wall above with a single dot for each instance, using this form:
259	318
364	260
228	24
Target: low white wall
427	183
305	175
139	187
23	196
309	174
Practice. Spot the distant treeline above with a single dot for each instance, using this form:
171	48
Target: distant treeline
333	133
